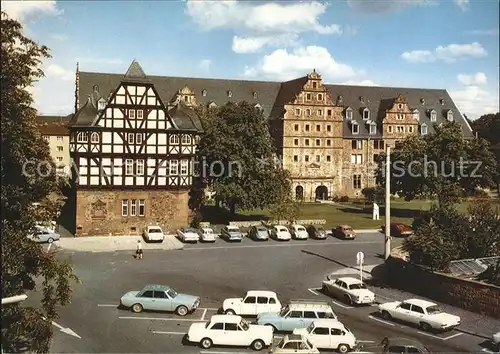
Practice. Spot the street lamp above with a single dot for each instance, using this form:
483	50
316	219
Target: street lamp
387	251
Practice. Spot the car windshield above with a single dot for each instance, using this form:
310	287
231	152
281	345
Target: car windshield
320	229
347	229
301	229
188	229
155	231
261	228
244	324
172	293
310	328
309	343
233	229
281	229
284	311
357	286
431	310
209	231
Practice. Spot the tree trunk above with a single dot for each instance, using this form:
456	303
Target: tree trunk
232	207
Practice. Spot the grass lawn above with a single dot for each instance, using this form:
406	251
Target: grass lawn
358	216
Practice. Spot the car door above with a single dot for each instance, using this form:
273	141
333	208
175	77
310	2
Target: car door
273	305
147	300
162	302
336	337
232	336
262	305
321	337
216	333
416	314
294	319
403	312
249	306
309	317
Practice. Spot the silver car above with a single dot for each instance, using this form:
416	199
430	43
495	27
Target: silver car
259	233
231	233
44	234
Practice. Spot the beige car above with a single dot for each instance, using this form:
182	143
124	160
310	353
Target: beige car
294	344
344	232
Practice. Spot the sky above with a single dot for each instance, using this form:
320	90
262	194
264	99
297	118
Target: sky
447	44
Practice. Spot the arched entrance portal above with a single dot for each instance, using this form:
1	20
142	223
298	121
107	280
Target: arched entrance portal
322	193
299	192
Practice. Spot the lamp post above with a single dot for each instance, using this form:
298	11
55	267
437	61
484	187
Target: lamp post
387	251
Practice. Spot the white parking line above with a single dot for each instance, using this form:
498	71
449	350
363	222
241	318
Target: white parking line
162	332
437	337
107	305
162	319
487	351
366	341
453	336
204	313
341	305
208	309
314	291
379	320
279	245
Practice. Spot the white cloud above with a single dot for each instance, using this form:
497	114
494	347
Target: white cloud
450	53
254	44
372	6
476	79
283	65
205	64
474	101
57	71
21	10
360	83
462	4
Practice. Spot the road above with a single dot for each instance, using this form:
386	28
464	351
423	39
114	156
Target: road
217	271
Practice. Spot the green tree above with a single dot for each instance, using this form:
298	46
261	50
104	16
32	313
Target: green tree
25	263
236	159
374	194
440	165
488	127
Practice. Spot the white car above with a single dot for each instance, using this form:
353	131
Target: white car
299	232
496	341
206	234
44	234
153	233
351	290
230	330
294	344
329	334
281	233
254	303
188	234
427	315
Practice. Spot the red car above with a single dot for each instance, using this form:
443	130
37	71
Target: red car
399	230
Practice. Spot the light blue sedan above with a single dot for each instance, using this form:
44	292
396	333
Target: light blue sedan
160	298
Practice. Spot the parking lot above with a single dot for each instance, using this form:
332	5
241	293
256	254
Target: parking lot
217	271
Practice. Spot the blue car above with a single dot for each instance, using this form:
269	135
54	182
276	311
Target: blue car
160	298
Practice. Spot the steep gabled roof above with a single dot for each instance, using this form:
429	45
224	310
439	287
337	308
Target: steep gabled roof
135	74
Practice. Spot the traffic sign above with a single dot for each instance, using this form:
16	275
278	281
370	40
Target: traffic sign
360	257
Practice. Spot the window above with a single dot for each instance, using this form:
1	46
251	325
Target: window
60	138
356	144
184	167
336	332
307	127
204	93
231	327
411	349
295	158
322	331
328	142
375	157
186	98
449	116
174	167
366	114
405	306
297	314
355	128
130	138
251	300
297	112
174	139
139	114
59	159
315	84
328	158
129	167
378	144
140	167
138	138
148	293
308	96
318	142
306	158
124	207
417	309
318	127
60	148
329	113
373	129
81	137
328	128
356	181
142	207
296	127
186	140
310	314
320	97
433	116
423	129
94	138
133	210
229	94
400	117
218	326
160	295
410	129
306	142
101	104
348	113
389	129
296	142
400	129
131	113
320	112
254	95
308	112
416	114
262	300
357	159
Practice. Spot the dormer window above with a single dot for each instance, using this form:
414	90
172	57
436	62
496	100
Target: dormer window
212	105
186	140
373	128
204	93
186	99
355	127
258	106
229	93
361	99
82	137
254	95
433	116
315	84
348	113
423	129
340	99
94	138
400	106
95	88
366	114
308	112
422	101
101	104
441	101
415	114
449	116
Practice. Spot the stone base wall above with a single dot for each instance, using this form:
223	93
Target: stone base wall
99	213
467	294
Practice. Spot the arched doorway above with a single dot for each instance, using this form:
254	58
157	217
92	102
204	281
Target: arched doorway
322	193
299	192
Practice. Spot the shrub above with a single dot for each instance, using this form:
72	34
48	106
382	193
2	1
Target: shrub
196	220
344	199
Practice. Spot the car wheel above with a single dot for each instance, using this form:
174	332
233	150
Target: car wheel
230	312
425	327
348	300
257	345
50	240
386	315
206	343
343	348
181	310
137	308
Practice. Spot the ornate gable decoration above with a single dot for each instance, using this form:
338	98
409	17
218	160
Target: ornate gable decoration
99	210
314	165
186	95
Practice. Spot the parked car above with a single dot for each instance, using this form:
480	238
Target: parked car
399	230
230	330
160	298
427	315
351	290
231	233
281	233
344	231
188	234
44	234
329	334
254	302
297	314
299	232
153	234
206	234
294	344
259	233
496	341
394	345
316	232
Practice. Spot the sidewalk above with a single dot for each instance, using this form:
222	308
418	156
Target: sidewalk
115	243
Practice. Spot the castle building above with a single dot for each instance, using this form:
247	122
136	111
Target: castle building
133	138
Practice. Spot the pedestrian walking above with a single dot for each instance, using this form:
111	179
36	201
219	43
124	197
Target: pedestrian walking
138	252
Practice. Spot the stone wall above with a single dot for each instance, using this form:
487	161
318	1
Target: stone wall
467	294
99	213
